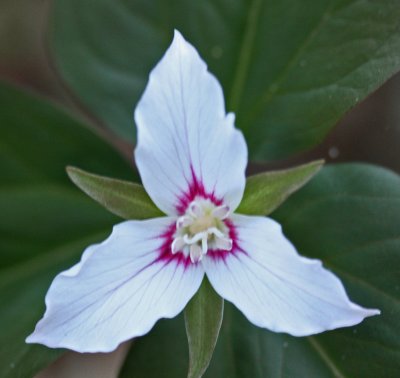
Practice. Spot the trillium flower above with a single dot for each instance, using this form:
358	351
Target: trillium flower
192	163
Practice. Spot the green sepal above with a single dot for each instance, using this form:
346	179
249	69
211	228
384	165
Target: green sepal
123	198
266	191
203	319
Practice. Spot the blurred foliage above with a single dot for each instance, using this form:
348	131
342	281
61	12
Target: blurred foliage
290	70
45	222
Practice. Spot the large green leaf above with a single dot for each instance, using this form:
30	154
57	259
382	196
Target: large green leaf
45	221
348	216
290	69
161	353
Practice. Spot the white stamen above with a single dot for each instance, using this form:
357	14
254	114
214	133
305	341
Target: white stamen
177	245
195	238
184	221
223	243
195	210
202	227
216	232
204	245
195	253
221	212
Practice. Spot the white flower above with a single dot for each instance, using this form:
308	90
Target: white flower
192	162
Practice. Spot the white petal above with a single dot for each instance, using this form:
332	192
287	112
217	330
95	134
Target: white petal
118	291
187	144
275	287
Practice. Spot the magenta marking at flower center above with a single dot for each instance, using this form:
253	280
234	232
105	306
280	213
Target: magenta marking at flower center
166	255
195	189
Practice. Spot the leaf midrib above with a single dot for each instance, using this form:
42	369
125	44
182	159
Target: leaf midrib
245	52
325	357
274	86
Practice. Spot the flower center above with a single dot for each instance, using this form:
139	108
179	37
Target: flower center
202	228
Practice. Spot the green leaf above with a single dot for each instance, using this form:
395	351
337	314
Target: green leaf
203	319
45	222
348	217
123	198
290	69
266	191
161	353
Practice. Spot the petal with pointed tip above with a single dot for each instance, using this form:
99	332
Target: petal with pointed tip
118	291
187	144
275	287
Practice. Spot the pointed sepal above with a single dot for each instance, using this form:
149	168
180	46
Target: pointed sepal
123	198
266	191
203	319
